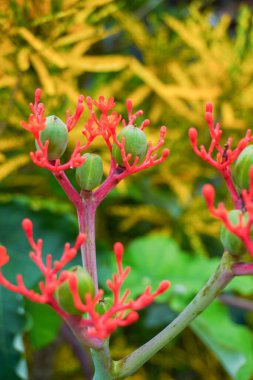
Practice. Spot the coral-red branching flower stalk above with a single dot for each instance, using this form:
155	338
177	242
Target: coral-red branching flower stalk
96	326
225	155
123	311
106	126
104	122
37	122
243	228
48	268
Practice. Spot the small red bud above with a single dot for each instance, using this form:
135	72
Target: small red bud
129	105
165	153
209	117
163	286
118	250
4	258
27	226
209	107
209	194
193	134
37	96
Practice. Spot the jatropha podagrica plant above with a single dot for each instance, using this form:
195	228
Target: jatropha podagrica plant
74	293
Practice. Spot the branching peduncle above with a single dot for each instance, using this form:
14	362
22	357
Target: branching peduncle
86	213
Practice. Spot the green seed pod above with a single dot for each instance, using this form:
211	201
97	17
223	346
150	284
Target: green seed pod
242	167
232	243
135	143
57	134
103	305
89	174
85	285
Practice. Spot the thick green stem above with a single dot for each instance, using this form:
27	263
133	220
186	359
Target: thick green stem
102	362
131	363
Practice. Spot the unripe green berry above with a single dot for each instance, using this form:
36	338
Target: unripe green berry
57	133
232	243
242	167
85	285
89	175
103	305
135	143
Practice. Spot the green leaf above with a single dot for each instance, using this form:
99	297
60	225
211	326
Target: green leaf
242	285
45	324
55	228
231	343
12	321
157	258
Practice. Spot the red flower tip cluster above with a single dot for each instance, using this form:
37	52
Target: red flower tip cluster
4	258
225	155
118	250
209	194
121	313
243	228
105	125
71	121
37	120
48	268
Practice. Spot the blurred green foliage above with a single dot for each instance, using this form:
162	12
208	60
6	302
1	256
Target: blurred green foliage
169	59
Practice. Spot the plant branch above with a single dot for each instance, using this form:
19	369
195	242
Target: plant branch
242	269
86	213
70	191
237	302
102	362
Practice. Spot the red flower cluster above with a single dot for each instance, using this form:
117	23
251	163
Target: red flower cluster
225	155
224	158
104	125
243	228
121	313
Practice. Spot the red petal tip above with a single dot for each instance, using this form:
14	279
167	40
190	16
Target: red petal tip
4	258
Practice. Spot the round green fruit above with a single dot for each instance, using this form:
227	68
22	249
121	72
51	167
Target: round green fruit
135	143
89	175
85	285
103	305
242	167
232	243
57	133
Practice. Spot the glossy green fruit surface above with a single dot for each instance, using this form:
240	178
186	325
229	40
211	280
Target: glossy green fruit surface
89	175
103	305
231	242
135	143
85	285
242	167
57	133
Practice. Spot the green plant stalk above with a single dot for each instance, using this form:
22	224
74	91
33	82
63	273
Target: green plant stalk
102	362
217	282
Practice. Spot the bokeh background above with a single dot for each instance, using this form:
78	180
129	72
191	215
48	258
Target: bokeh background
170	58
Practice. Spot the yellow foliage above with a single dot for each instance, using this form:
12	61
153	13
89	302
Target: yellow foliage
184	63
44	44
8	166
